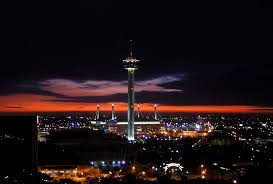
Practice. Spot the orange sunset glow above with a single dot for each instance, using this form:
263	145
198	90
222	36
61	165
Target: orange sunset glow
28	103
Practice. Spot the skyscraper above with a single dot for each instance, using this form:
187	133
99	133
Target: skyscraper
131	65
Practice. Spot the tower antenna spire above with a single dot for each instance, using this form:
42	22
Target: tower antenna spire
131	48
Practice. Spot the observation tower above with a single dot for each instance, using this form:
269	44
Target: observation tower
131	65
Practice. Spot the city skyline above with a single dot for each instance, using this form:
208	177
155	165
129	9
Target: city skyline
136	92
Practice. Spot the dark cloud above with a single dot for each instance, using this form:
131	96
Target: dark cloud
13	107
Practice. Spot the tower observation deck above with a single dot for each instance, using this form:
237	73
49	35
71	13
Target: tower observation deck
131	65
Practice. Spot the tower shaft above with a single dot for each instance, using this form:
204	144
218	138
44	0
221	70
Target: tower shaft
113	112
98	113
155	112
131	65
131	103
138	111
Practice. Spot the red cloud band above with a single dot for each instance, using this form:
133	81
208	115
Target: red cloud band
22	103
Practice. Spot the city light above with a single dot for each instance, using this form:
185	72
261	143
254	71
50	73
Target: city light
78	104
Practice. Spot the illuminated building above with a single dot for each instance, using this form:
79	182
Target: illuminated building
142	125
131	65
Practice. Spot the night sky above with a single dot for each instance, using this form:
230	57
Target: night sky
195	55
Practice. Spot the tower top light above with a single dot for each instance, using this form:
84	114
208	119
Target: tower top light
130	63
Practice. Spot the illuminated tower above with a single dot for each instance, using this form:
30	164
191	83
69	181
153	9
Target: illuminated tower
113	111
98	112
138	111
155	106
131	65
